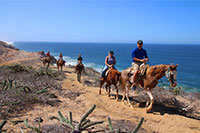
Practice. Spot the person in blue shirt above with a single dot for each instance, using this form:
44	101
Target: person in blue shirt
139	56
110	61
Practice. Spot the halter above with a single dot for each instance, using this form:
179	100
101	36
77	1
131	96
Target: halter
168	73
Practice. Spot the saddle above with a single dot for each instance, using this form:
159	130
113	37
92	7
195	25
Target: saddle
142	69
107	71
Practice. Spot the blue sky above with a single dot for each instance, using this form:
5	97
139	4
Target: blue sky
154	21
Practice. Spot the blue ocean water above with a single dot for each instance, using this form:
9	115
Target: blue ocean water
188	56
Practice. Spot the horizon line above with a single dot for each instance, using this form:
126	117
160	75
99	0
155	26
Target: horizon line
110	42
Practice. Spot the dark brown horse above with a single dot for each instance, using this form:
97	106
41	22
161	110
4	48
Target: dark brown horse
79	68
149	81
47	60
60	64
113	78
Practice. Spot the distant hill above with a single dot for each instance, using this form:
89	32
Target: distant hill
9	52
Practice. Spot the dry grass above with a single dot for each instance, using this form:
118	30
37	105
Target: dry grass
15	99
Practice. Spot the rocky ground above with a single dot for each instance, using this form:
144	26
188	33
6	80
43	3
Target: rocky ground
173	111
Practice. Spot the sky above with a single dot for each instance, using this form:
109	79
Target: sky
115	21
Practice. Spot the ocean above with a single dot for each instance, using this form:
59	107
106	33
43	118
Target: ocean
187	56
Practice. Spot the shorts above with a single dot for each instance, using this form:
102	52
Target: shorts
136	66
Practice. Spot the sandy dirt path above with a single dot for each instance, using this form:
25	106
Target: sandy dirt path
154	122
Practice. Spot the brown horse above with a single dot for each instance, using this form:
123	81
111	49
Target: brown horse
79	68
149	80
112	78
47	60
60	64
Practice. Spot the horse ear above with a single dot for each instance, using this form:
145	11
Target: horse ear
177	65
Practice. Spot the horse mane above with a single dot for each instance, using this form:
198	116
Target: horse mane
152	70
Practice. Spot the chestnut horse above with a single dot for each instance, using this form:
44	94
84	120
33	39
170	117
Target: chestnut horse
47	60
149	80
79	68
60	63
112	78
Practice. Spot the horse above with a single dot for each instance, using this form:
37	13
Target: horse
113	77
79	68
47	60
148	81
60	64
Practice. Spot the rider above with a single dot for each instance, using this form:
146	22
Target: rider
139	56
48	54
61	58
110	61
79	64
79	59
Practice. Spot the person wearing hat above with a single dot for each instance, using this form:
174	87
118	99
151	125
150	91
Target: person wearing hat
139	56
79	59
110	61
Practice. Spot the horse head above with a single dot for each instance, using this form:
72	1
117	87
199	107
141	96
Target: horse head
172	75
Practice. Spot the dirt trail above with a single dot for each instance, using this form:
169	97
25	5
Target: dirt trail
84	97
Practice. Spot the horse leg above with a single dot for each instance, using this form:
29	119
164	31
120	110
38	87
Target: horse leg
124	87
47	66
109	90
61	68
147	103
101	84
152	101
127	96
117	91
106	88
79	77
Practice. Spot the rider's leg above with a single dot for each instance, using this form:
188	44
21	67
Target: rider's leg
104	72
135	76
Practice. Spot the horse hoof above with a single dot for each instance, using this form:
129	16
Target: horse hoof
117	99
148	110
131	106
123	103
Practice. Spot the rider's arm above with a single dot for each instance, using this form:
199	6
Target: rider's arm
146	56
141	60
106	60
114	61
136	59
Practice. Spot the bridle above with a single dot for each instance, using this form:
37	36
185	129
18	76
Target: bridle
171	75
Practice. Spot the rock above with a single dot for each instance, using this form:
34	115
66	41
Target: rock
186	104
4	44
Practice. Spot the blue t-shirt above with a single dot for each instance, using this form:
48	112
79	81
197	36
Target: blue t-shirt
139	53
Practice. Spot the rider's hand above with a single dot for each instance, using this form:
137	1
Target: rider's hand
144	60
